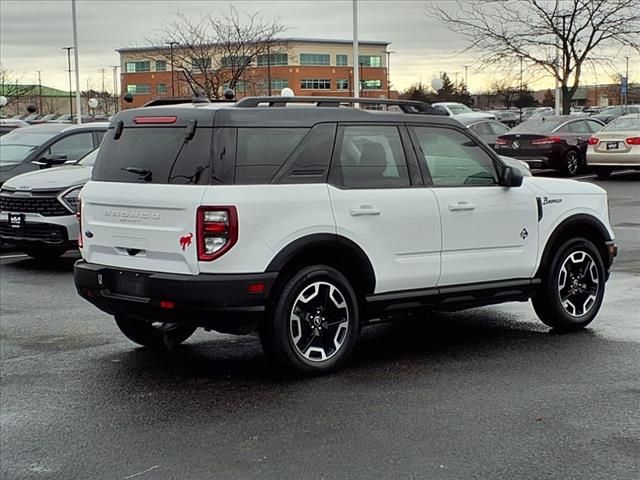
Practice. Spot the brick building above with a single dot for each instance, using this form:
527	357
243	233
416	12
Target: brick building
308	66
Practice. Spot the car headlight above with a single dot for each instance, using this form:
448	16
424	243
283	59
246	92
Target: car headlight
71	200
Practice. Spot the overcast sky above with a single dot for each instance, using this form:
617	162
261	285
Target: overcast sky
33	32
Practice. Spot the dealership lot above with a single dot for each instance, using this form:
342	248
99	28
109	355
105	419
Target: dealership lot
486	393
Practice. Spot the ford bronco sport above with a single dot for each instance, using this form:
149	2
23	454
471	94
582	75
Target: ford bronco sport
305	224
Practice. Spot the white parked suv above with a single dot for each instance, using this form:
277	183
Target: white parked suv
305	224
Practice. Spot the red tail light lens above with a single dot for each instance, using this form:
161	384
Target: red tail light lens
633	141
217	229
593	141
500	141
79	217
546	141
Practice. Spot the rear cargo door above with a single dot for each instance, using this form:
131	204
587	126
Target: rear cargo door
139	210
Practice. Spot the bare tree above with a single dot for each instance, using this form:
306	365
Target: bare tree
217	52
14	91
504	31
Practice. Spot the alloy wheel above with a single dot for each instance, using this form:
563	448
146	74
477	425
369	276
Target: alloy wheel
319	321
573	162
578	283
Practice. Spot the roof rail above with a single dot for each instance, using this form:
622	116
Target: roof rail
406	106
177	101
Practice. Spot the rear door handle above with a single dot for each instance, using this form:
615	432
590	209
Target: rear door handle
364	210
461	207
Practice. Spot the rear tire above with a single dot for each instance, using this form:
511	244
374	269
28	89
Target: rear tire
572	287
603	172
313	323
45	253
155	335
571	163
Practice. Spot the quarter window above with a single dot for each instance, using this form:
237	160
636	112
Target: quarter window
453	159
594	126
262	151
578	127
371	157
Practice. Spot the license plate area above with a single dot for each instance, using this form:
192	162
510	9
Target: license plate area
16	221
132	284
612	145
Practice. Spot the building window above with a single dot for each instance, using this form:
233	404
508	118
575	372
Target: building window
133	67
275	60
138	89
315	84
161	66
371	84
201	64
370	61
161	88
342	60
232	62
279	84
315	59
342	84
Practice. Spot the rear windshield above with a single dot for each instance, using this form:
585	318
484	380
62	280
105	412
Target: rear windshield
155	155
624	124
538	125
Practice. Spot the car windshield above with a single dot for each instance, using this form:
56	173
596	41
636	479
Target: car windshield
624	125
538	125
459	108
89	159
17	145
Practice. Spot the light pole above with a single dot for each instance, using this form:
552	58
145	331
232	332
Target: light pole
116	95
389	52
68	49
173	88
269	67
356	54
626	87
466	79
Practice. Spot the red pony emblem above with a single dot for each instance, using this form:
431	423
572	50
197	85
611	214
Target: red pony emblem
185	240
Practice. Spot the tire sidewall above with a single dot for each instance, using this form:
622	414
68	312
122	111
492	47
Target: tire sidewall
280	320
578	162
564	320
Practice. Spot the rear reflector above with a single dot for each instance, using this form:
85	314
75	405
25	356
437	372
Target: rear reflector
255	288
633	141
593	141
167	304
153	120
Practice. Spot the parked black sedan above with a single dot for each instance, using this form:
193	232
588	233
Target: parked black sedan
558	142
488	130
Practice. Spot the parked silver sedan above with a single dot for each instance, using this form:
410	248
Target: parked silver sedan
616	146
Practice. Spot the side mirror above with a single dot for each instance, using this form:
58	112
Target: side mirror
511	177
50	160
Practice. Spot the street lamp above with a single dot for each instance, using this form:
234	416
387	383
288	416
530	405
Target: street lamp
173	88
389	52
68	49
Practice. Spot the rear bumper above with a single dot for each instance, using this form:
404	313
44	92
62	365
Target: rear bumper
219	302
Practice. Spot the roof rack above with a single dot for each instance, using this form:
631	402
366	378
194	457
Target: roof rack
406	106
177	101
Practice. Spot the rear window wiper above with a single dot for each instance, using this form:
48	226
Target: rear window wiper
144	173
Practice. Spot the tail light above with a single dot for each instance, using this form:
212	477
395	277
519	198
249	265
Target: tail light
546	141
500	141
79	217
633	141
217	231
593	141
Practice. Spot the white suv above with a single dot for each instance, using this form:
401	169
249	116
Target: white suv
305	224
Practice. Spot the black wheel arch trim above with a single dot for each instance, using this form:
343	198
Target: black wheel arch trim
324	240
568	223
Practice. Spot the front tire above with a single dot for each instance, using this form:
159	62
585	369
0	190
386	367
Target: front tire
155	335
572	287
571	163
313	323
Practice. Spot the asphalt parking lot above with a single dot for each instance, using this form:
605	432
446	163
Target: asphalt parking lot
489	393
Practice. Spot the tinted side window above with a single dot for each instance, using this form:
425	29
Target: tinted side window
453	159
370	157
594	126
481	128
499	128
73	146
578	127
309	163
262	151
155	155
